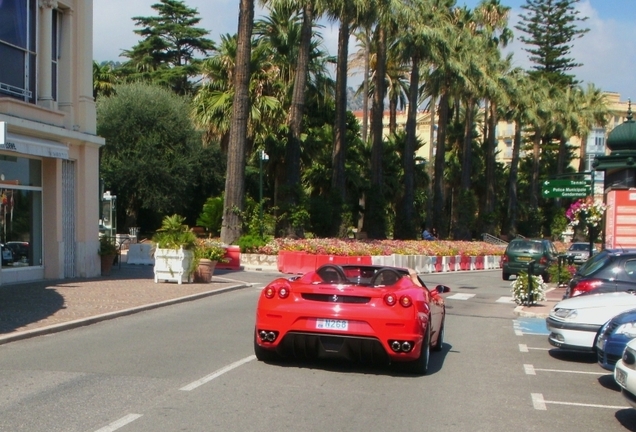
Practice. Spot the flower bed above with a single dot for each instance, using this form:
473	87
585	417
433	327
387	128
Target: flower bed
339	247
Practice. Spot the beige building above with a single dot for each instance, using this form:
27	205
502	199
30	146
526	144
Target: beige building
49	151
505	132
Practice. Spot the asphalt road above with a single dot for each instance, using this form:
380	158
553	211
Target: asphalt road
190	367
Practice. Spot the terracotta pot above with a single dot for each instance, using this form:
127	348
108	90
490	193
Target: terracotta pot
107	264
204	271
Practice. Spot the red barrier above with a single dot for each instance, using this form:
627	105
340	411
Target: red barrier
360	260
307	263
465	262
438	264
451	263
233	255
479	262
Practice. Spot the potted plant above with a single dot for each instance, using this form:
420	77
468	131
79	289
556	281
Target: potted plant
174	254
528	290
207	254
107	252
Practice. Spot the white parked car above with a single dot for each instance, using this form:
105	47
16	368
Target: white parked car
573	323
625	373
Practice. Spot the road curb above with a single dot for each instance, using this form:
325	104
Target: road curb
112	315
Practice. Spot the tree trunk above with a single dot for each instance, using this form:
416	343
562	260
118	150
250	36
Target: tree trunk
375	219
404	227
491	147
235	177
513	200
467	147
365	86
340	130
440	155
583	154
430	166
534	182
292	154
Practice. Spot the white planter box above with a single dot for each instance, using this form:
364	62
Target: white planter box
173	265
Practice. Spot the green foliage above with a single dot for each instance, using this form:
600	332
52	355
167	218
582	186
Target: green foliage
165	55
174	234
209	249
466	219
558	225
150	159
566	272
107	246
250	243
212	215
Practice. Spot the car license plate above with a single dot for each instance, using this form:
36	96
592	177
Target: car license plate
600	344
332	324
621	377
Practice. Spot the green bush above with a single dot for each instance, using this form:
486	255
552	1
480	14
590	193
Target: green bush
567	271
250	243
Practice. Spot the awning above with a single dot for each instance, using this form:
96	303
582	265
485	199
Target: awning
33	146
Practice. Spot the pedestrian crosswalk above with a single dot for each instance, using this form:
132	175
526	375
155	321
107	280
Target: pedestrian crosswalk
469	296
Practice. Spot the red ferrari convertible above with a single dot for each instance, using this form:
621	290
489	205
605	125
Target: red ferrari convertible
358	312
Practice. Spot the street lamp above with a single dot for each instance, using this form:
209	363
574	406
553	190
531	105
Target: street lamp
262	156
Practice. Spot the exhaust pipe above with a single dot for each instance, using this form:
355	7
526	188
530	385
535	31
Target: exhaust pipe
271	336
263	335
395	346
406	346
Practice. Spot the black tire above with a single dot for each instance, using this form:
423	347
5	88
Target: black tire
420	366
263	354
505	276
440	339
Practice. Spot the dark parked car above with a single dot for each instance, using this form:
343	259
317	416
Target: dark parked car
7	255
610	270
579	252
20	250
520	252
613	337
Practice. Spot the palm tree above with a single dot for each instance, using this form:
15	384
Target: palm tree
235	175
592	111
104	79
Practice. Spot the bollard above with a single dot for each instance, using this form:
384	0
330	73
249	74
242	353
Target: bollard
530	274
560	260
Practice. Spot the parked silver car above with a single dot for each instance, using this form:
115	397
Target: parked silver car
579	251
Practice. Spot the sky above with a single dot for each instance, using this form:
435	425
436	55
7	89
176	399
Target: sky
607	51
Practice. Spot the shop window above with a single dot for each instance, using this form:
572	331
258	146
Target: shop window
20	211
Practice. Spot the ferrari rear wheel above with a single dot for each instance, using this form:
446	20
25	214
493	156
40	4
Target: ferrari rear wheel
420	366
263	354
440	339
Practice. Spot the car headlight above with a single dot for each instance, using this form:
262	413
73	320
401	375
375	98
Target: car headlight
566	313
627	329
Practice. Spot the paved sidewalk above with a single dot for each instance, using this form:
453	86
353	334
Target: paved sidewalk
42	307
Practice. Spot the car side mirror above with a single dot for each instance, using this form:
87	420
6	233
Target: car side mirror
442	289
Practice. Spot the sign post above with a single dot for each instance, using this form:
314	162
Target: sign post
566	188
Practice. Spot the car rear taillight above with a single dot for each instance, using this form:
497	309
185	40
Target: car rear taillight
270	292
405	301
543	261
504	259
585	286
283	292
390	299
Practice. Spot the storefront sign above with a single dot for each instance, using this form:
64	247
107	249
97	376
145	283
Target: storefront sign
620	219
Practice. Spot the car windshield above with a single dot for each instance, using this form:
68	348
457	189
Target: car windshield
579	247
525	246
593	264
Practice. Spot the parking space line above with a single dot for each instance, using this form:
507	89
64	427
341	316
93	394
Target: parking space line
531	370
525	348
119	423
460	296
539	403
217	373
505	300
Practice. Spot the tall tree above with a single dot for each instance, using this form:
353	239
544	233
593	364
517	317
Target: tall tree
235	179
166	54
551	27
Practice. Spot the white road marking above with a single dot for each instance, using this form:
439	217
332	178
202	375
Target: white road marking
217	373
539	403
523	347
120	423
461	296
531	370
505	300
518	332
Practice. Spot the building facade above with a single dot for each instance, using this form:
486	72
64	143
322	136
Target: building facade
49	151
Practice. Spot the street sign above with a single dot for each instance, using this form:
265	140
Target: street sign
566	188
